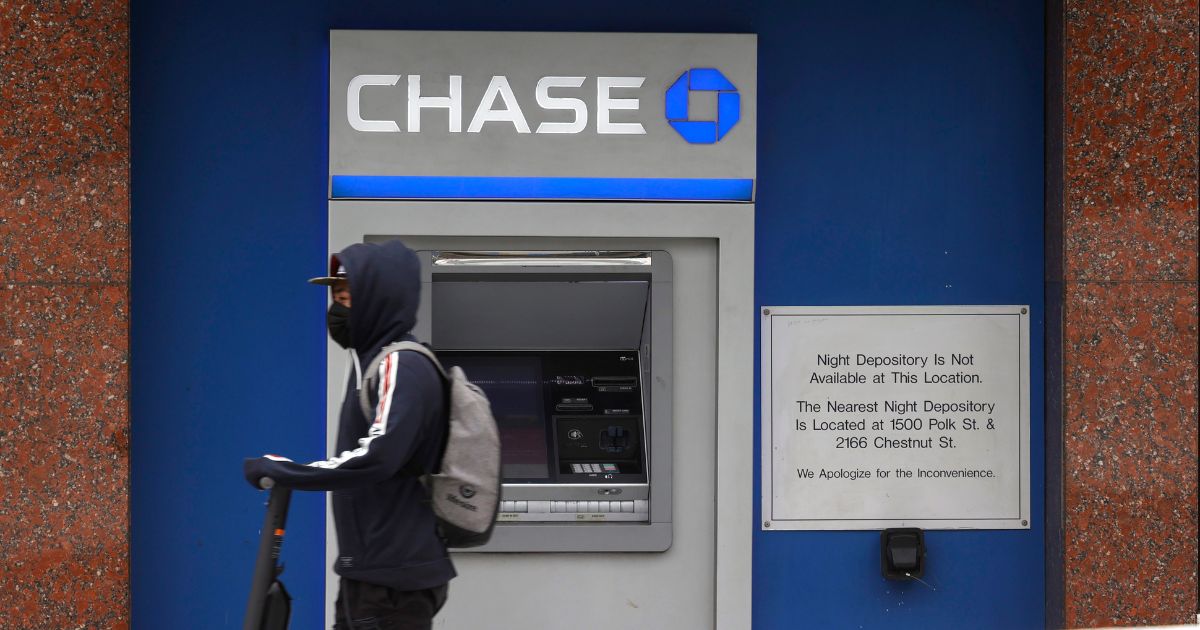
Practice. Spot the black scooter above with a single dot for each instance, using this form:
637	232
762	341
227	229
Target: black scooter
270	606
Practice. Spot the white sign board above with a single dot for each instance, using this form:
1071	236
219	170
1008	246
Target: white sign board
895	416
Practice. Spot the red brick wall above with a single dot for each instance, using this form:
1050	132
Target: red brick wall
1130	333
64	343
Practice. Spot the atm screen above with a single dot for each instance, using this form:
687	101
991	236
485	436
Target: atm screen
514	388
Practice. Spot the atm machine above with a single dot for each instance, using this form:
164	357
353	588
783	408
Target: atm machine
543	177
574	350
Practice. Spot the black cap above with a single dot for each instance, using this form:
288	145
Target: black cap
337	272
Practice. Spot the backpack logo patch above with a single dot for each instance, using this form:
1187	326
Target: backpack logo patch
460	503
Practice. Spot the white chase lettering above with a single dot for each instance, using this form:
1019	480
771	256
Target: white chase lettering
354	113
416	102
507	110
545	101
606	103
511	112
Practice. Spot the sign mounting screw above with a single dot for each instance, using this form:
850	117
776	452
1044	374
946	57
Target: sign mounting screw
766	523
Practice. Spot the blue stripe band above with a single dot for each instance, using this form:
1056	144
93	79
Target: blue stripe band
555	188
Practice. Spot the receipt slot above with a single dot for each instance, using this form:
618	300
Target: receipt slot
573	349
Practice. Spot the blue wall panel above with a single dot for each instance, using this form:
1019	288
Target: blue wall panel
914	176
899	163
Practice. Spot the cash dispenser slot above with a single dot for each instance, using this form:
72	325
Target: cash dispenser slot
563	344
577	405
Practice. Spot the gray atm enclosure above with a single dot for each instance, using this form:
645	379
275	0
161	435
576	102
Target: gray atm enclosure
583	342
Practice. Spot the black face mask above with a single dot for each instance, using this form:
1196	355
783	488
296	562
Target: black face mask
338	320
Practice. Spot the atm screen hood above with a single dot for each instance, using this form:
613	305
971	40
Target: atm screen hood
568	314
578	300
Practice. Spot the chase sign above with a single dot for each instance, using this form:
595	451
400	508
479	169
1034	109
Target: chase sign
565	105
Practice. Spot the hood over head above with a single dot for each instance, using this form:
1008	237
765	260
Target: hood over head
385	290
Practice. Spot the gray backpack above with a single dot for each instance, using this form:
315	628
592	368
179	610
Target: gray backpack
465	492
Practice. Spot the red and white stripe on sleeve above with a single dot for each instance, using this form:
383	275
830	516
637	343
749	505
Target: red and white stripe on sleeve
387	386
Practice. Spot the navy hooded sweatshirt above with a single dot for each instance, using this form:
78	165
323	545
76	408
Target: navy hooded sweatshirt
387	533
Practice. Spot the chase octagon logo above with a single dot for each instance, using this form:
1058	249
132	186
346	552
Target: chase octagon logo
729	105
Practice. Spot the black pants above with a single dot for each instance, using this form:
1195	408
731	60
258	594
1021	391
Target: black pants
375	607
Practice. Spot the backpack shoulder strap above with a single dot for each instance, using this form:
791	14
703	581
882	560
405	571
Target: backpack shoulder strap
420	349
372	371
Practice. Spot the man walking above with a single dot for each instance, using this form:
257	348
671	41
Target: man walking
393	565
